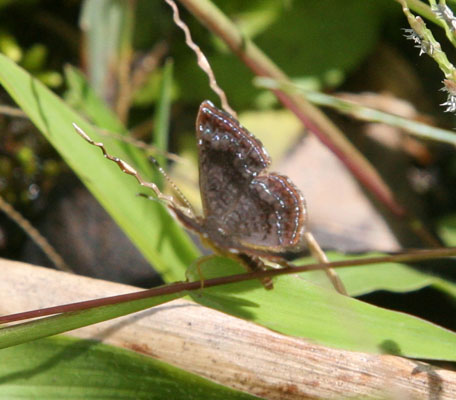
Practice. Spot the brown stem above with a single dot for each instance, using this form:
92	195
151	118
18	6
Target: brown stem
417	255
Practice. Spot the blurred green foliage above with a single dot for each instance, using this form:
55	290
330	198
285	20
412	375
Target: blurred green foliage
322	41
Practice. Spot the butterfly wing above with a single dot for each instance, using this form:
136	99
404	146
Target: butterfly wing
229	157
244	208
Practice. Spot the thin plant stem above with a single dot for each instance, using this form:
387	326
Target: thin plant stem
35	235
203	62
412	256
364	113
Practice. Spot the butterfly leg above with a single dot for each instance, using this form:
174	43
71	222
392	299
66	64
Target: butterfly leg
200	261
255	264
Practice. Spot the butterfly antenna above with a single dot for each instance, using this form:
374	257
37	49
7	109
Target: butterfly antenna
149	149
128	169
171	183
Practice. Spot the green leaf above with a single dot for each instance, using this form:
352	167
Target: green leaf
161	118
299	308
81	96
147	223
350	31
35	57
66	368
100	20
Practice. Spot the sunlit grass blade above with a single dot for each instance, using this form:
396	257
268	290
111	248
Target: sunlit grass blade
83	98
100	20
147	223
364	113
162	114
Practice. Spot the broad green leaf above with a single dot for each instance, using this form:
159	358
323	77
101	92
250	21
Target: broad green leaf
299	308
66	368
147	223
351	30
28	331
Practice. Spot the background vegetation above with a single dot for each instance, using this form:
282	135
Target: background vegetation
122	68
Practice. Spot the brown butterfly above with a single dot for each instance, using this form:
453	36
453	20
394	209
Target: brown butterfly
248	212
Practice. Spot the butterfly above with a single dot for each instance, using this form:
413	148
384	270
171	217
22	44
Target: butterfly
249	213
